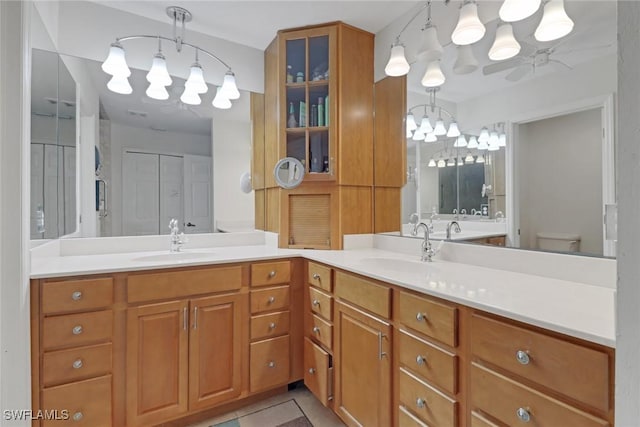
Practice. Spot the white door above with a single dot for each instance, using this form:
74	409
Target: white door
51	186
140	194
171	191
198	195
37	187
69	206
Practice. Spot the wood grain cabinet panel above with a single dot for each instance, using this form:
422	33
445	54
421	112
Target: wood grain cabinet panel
317	371
479	420
88	403
270	299
270	273
430	405
269	363
407	419
364	293
270	325
322	331
321	303
77	329
77	295
319	276
430	317
76	363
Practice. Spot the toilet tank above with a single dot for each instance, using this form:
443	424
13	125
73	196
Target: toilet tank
561	242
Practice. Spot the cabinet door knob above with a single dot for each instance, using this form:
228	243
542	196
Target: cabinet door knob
421	360
272	325
523	415
421	317
77	364
271	300
272	274
523	357
316	276
76	296
78	416
312	371
77	330
421	403
316	330
271	364
315	303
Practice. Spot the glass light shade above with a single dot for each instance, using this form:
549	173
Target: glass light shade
158	74
432	163
433	77
221	101
493	138
460	142
484	135
505	45
440	130
430	47
480	159
451	162
157	91
196	80
469	29
441	163
473	142
409	133
425	125
466	62
418	135
517	10
453	131
229	87
469	158
397	64
190	96
483	145
494	147
555	22
460	161
502	140
120	84
431	137
116	63
411	122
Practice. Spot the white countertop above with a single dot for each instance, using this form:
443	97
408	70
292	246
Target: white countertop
577	309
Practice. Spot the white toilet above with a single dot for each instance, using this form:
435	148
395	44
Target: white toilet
558	242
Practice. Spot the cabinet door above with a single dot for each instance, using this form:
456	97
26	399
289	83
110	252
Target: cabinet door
363	368
157	362
215	349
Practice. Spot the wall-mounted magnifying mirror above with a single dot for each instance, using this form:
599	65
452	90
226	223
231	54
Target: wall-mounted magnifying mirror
288	172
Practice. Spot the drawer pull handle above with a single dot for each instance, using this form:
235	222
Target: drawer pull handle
271	300
316	276
185	317
523	415
78	416
271	364
381	353
272	325
312	371
272	274
195	317
421	317
315	303
77	364
421	403
523	357
421	360
77	330
316	330
76	296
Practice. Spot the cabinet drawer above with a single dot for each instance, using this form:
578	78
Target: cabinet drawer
69	365
321	303
321	330
575	371
431	406
77	329
269	325
478	420
88	403
270	299
317	371
505	399
407	419
431	363
364	293
77	295
270	273
269	363
319	275
427	316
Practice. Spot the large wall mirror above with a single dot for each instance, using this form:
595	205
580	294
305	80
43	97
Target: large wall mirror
552	183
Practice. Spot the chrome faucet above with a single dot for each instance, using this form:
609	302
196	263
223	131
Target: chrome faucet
463	212
427	250
176	238
456	228
455	213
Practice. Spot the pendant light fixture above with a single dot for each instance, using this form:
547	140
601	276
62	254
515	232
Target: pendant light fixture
431	137
483	145
469	28
466	62
484	135
425	124
460	142
411	122
473	142
480	159
441	162
555	22
430	47
432	163
433	77
418	135
439	129
409	134
451	162
505	45
158	75
469	159
453	131
502	140
460	161
493	138
517	10
397	64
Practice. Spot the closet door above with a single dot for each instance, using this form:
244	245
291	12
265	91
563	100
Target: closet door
69	205
198	207
37	187
171	191
140	194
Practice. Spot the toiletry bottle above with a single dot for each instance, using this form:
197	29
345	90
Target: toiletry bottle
289	74
320	114
292	123
299	77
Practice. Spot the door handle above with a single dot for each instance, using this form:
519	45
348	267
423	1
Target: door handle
190	224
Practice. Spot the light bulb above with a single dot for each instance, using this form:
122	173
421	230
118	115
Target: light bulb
469	158
505	45
425	125
460	142
221	101
440	130
229	87
430	47
397	64
432	163
451	162
196	80
484	135
431	137
453	130
469	29
555	22
433	77
441	163
465	61
502	140
157	91
411	122
158	74
473	142
116	63
517	10
119	84
190	96
418	135
480	159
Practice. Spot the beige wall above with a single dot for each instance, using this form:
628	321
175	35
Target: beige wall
560	174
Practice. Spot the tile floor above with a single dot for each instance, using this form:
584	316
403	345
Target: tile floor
290	406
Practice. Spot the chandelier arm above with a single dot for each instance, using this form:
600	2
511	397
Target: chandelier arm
432	106
209	54
424	6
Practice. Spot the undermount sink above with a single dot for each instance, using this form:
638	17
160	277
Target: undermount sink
174	256
395	264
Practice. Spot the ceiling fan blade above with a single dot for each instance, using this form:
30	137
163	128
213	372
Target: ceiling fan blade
519	72
583	49
503	65
562	64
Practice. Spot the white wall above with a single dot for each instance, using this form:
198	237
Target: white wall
146	140
559	170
